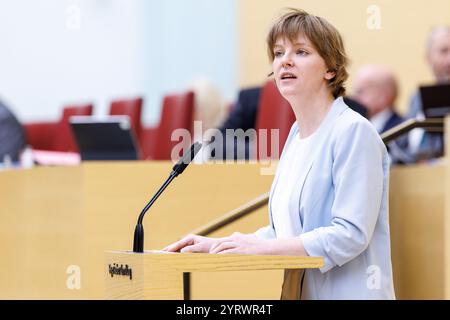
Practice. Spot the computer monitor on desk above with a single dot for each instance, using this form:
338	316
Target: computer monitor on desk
435	100
104	138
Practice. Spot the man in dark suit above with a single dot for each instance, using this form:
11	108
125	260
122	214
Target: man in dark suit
376	88
12	135
242	116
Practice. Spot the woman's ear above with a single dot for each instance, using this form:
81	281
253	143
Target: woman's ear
330	74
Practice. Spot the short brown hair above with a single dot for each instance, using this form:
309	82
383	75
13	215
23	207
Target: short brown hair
323	35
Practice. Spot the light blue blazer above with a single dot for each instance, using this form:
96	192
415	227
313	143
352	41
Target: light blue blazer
343	198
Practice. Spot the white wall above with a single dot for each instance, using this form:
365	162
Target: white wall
55	52
187	40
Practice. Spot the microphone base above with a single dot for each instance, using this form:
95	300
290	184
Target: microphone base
138	244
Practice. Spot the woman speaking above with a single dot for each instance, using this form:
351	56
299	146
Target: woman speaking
329	197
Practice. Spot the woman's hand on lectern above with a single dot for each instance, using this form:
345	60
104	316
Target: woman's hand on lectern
192	243
240	243
250	244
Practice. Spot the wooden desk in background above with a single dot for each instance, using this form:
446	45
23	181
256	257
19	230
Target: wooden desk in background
54	218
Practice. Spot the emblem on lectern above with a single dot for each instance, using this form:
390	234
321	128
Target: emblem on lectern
121	270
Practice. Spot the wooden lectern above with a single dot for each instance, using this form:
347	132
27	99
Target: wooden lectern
159	275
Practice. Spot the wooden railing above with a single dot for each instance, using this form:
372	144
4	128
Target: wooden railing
431	125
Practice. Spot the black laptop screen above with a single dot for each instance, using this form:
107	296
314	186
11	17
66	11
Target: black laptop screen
108	138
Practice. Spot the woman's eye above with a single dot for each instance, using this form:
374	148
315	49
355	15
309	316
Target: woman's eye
302	52
278	53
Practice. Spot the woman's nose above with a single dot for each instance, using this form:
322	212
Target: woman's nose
287	61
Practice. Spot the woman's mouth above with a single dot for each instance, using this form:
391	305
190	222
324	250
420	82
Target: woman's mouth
288	76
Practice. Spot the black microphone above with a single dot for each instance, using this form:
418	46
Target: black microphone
138	244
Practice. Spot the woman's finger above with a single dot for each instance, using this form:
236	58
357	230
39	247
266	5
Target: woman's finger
220	241
177	246
215	245
223	246
229	251
195	248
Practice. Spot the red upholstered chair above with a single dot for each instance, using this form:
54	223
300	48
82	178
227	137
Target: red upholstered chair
149	143
63	139
40	135
274	112
131	108
177	113
55	136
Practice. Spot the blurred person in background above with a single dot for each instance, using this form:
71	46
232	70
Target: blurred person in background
209	105
12	135
376	88
209	110
242	117
423	145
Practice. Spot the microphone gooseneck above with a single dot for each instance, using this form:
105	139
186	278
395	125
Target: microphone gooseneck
138	242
